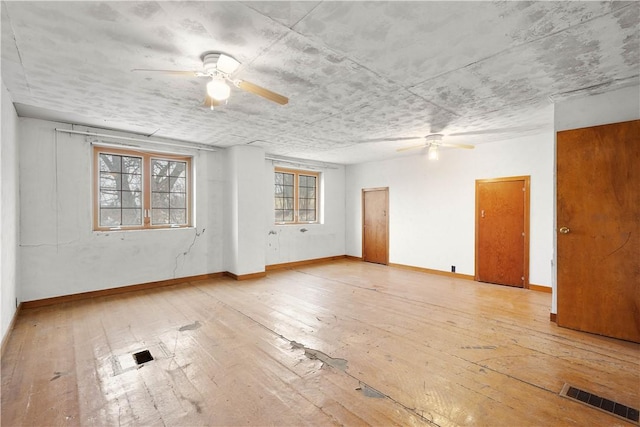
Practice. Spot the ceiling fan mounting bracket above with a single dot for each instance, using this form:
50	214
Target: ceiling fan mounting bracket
435	138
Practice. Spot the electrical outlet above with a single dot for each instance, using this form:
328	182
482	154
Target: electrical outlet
453	268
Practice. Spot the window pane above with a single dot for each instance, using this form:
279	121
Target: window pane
110	217
110	163
131	199
279	203
131	217
288	215
132	182
160	183
178	169
178	216
288	179
279	178
279	190
308	192
160	216
302	192
110	180
109	199
303	204
160	200
288	191
178	200
159	167
132	165
177	185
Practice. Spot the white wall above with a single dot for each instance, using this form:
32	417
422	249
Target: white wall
60	254
289	243
233	195
616	106
9	211
612	107
432	204
244	213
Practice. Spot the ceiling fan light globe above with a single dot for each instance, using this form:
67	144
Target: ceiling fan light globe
218	90
433	152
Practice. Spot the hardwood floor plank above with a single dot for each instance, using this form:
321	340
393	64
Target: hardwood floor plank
339	343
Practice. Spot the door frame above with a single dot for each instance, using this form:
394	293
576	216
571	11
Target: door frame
386	190
527	229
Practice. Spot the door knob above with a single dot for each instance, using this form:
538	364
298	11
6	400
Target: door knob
564	230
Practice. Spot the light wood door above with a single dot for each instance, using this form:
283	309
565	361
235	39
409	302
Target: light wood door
375	225
502	229
598	219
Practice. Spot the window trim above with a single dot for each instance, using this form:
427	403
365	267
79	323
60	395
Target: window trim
146	156
296	196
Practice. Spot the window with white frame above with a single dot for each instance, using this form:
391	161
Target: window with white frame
296	196
140	190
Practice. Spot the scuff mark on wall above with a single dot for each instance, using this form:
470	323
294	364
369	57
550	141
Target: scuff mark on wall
274	243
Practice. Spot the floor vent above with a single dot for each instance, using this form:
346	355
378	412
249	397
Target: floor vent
142	357
614	408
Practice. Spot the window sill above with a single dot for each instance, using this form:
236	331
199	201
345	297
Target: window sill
129	230
296	223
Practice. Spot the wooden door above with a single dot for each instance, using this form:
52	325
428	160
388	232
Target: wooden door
375	225
502	231
598	240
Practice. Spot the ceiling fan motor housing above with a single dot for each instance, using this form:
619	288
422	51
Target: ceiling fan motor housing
219	62
434	139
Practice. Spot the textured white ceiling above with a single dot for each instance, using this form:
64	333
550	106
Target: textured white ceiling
359	75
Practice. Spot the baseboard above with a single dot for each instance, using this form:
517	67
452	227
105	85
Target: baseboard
553	317
5	338
246	276
540	288
353	258
115	291
295	264
430	271
151	285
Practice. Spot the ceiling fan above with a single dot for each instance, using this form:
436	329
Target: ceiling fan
219	68
432	142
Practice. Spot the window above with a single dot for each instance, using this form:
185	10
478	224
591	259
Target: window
296	196
137	190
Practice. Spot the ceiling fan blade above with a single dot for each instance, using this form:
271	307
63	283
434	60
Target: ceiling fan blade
413	147
179	72
449	144
260	91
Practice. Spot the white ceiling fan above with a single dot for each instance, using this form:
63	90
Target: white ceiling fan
219	68
433	142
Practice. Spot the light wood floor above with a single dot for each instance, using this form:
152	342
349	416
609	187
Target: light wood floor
342	343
